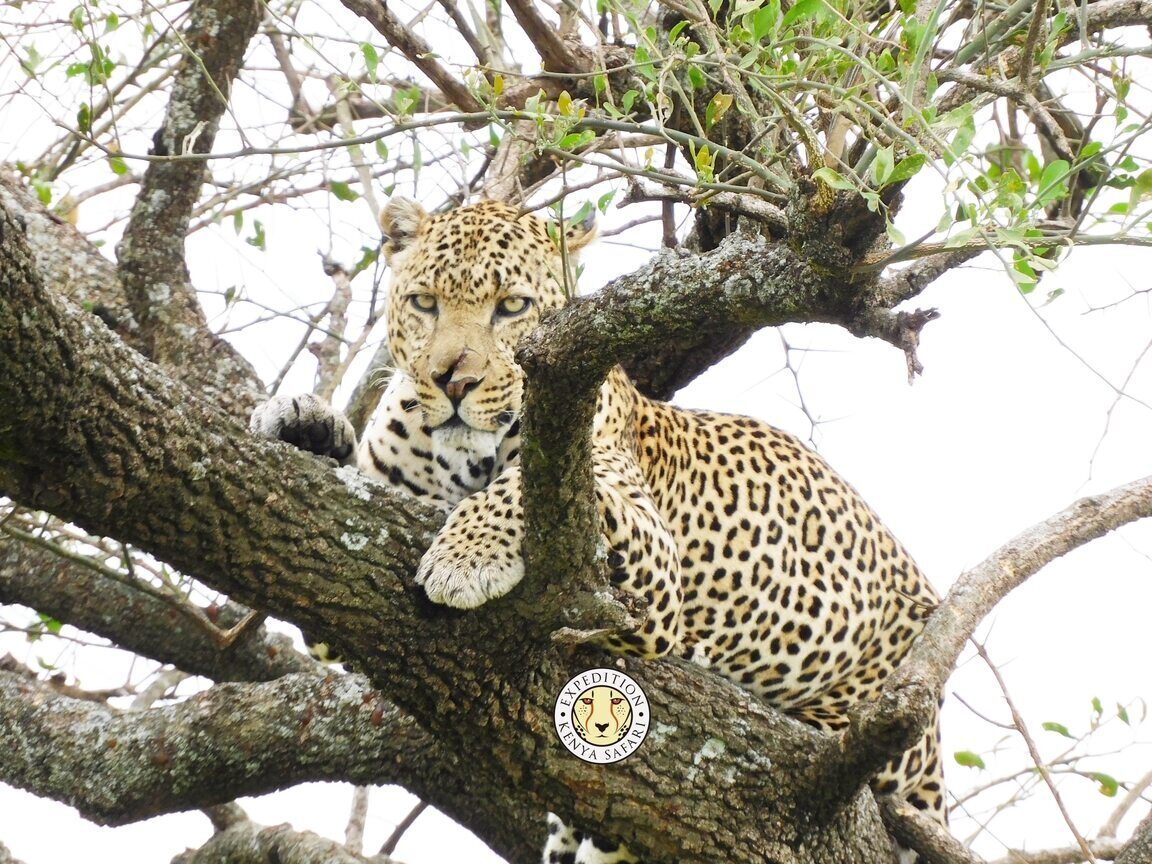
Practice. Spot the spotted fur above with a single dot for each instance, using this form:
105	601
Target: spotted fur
753	557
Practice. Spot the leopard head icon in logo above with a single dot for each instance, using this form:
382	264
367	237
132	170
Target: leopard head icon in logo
601	716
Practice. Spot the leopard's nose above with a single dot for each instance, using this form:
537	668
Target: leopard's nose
456	387
458	376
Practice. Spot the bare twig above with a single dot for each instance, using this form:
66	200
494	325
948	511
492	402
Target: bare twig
401	829
357	816
1034	752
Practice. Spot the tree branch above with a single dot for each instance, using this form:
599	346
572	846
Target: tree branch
418	52
6	856
922	834
228	741
152	270
249	843
171	632
555	55
1139	849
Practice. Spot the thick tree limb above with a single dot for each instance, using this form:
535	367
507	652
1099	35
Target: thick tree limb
68	260
915	830
170	632
545	37
229	741
151	253
1139	848
418	52
249	843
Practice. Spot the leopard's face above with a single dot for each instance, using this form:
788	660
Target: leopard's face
466	287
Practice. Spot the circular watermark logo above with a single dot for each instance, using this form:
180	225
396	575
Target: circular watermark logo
602	715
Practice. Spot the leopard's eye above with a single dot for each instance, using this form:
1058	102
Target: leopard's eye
423	302
510	307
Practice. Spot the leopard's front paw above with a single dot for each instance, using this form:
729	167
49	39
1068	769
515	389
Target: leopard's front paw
306	422
465	578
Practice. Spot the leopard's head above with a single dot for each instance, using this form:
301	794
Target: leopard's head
467	285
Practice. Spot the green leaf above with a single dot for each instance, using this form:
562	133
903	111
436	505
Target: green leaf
1054	182
696	78
49	623
371	58
907	168
717	108
1058	728
43	190
1097	706
342	191
77	18
1024	275
575	140
894	234
1091	148
368	256
704	163
600	83
881	168
830	178
111	22
381	149
406	100
582	215
1108	785
75	69
564	103
238	222
958	146
258	239
84	117
627	99
604	200
801	9
118	165
31	61
1122	713
642	59
968	759
765	20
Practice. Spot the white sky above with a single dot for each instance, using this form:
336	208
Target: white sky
1005	427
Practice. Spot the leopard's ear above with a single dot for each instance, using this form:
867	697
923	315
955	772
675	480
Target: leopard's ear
401	221
577	235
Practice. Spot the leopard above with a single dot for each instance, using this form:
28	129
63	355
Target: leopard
751	556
